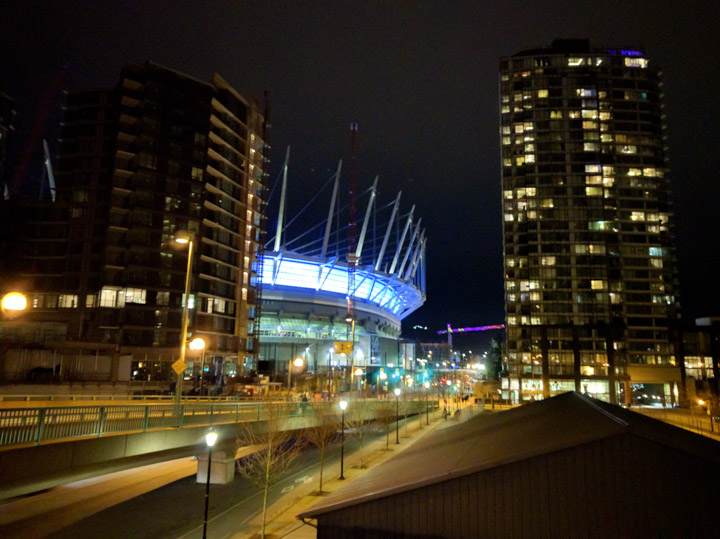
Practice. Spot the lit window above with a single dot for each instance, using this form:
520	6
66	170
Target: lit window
589	125
135	295
636	62
556	114
593	180
506	130
529	158
585	92
547	203
520	161
528	126
597	284
591	114
637	216
507	162
547	261
593	191
519	129
574	62
530	191
508	194
542	94
606	115
67	301
595	249
506	141
591	147
509	217
605	137
504	109
592	168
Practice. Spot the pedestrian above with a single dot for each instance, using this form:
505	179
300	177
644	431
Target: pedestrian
303	404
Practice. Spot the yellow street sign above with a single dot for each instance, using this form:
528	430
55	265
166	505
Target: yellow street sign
343	347
179	366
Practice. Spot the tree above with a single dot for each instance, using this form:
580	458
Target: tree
324	432
359	420
386	416
277	448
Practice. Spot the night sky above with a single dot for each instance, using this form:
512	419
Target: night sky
421	80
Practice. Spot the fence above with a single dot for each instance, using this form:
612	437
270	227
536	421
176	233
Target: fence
52	424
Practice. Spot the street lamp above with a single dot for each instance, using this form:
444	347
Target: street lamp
13	303
210	439
184	237
199	344
427	406
397	415
343	405
297	362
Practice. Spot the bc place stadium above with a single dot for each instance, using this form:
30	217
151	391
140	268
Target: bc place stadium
334	293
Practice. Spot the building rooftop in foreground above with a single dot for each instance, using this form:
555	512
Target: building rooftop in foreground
562	455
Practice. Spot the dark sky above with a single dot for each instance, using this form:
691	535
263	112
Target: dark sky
420	78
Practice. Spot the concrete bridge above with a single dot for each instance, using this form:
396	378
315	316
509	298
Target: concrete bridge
47	446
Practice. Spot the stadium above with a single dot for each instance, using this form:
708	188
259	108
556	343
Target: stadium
334	293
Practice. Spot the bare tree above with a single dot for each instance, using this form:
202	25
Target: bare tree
277	448
324	432
386	416
359	419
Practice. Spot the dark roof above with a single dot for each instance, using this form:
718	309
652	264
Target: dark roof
493	440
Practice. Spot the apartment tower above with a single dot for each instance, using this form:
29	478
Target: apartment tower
590	281
160	153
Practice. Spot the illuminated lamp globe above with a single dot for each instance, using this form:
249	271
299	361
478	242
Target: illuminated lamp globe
14	301
197	344
343	405
397	391
298	362
210	438
358	372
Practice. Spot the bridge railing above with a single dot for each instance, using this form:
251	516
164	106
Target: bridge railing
24	426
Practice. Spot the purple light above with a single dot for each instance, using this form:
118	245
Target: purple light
464	330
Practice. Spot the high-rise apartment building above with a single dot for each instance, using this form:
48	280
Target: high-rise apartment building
160	153
590	280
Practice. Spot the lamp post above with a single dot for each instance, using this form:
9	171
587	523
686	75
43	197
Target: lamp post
210	439
199	344
184	237
343	405
397	414
427	406
297	362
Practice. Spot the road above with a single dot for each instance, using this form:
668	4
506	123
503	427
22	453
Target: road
165	501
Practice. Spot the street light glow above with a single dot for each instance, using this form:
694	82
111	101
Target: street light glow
343	405
197	344
298	362
14	301
211	438
397	391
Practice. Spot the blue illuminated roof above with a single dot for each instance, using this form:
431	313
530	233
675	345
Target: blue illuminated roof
293	272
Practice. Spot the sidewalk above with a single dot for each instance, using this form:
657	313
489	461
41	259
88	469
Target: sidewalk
281	521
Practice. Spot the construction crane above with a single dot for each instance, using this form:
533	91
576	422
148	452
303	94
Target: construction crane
352	246
450	330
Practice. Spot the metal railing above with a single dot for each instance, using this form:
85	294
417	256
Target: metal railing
23	426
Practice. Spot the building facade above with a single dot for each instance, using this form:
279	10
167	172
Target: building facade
158	154
590	277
